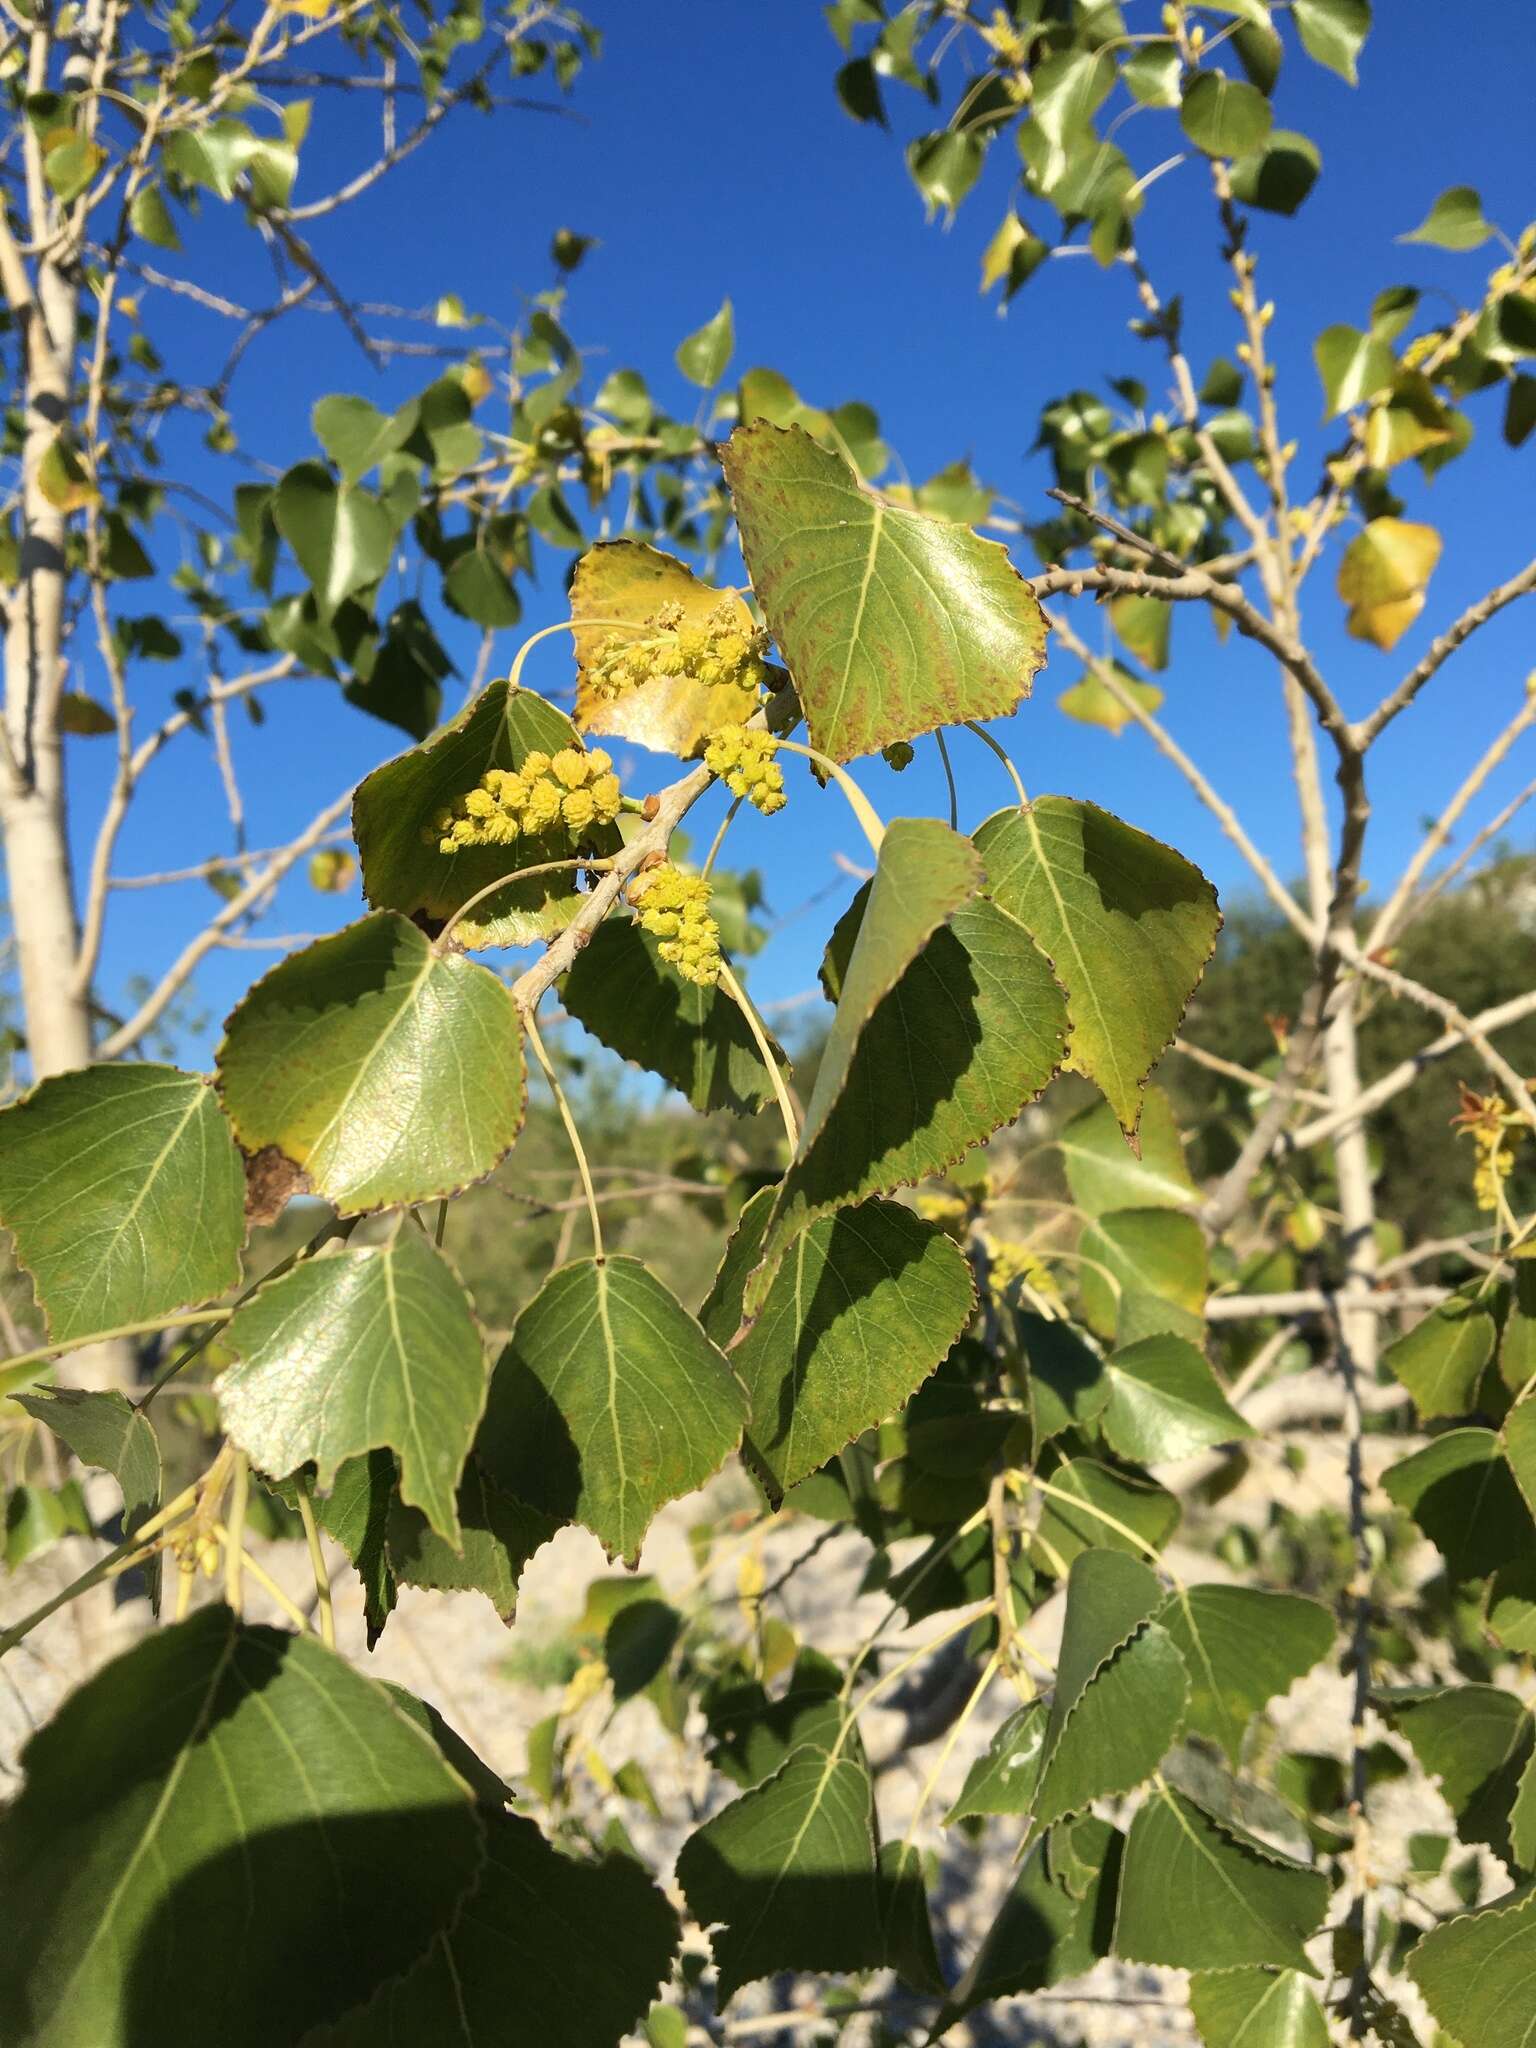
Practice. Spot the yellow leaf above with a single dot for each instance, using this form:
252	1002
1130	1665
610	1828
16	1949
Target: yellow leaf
332	870
476	381
1383	576
1093	703
62	478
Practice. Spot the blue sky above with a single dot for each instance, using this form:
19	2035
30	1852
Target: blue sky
708	154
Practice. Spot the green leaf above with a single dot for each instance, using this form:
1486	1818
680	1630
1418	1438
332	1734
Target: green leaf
1512	1606
387	1072
1195	1895
866	1304
1257	2009
704	356
892	622
1455	221
150	219
1519	1441
1003	1779
356	1512
1165	1402
405	687
639	1006
1463	1496
1332	32
341	535
70	166
498	1536
1151	74
566	1954
1441	1359
123	1190
1224	116
970	1033
944	168
1092	1504
354	1353
1477	1972
1279	176
37	1516
1477	1740
640	1639
790	1869
1103	1172
478	588
1120	1687
1243	1647
924	874
754	1735
395	805
106	1431
1068	1382
1069	88
608	1402
357	436
1056	1922
1144	1272
1144	625
1127	923
211	1770
1354	366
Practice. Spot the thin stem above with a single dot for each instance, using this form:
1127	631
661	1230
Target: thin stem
317	1562
15	1371
94	1574
234	1549
1003	755
514	680
739	997
858	802
267	1583
546	867
962	1720
949	777
719	839
577	1148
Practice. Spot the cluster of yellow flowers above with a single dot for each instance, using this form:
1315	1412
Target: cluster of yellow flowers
1013	1263
718	653
572	790
675	907
1495	1130
745	763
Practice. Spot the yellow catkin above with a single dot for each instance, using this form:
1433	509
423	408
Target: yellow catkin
745	763
572	791
674	907
718	652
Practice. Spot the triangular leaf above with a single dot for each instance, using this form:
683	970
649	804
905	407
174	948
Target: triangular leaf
1052	1926
1148	1260
366	1350
1004	1777
244	1782
1127	924
105	1430
387	1072
971	1032
1198	1896
1332	32
639	1006
705	355
608	1402
1383	576
1463	1496
498	1536
1441	1359
547	1950
340	534
1478	1972
396	804
627	581
356	1513
1165	1402
1257	2009
790	1869
866	1304
1477	1740
1103	1172
891	622
1243	1647
122	1188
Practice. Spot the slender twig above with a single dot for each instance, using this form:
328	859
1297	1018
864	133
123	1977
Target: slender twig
1442	648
